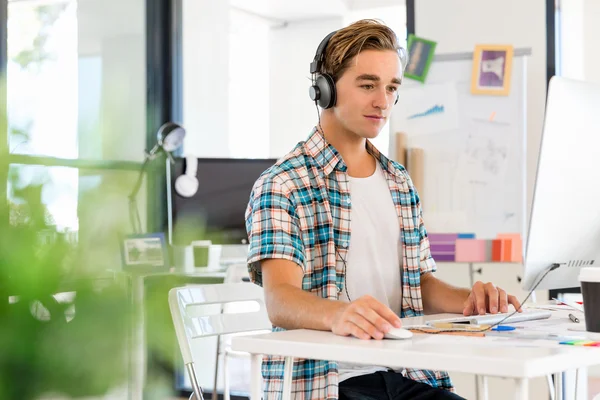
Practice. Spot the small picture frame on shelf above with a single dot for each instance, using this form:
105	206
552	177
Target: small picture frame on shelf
492	66
145	253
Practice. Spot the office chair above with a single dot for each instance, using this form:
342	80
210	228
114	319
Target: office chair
199	311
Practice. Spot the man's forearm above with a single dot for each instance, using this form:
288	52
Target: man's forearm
440	297
293	308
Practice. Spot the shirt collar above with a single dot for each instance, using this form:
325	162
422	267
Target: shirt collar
329	159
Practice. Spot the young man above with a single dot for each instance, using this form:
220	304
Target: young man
336	231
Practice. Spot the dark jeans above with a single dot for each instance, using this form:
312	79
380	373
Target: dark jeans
390	386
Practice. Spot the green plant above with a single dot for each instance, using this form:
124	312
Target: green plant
74	348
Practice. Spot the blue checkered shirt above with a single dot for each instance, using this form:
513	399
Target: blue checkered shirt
299	210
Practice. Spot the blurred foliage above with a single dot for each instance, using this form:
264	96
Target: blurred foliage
74	348
78	345
36	53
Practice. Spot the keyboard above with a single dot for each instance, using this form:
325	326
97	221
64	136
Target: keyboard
491	319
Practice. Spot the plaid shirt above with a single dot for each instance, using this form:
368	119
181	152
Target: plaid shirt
299	210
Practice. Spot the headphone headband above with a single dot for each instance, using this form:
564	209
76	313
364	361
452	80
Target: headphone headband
317	63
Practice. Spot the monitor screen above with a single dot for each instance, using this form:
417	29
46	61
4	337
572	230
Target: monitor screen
217	211
564	230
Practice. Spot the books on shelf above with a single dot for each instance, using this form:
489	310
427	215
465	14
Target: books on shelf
464	247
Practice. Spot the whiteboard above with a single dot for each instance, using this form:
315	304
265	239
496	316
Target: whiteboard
474	147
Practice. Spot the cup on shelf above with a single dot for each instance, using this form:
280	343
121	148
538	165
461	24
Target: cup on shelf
206	254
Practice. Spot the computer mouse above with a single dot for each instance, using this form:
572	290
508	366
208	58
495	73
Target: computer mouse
398	333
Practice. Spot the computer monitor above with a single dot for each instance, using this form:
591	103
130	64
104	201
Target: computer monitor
564	227
217	211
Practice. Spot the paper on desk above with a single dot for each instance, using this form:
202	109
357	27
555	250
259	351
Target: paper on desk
490	341
550	307
547	325
570	304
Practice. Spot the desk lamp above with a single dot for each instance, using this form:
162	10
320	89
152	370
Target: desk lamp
169	137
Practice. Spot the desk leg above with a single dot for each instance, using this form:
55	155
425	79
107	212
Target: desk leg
287	378
581	384
256	374
482	387
521	389
575	384
558	386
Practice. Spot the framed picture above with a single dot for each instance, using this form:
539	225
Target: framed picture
420	55
145	253
492	69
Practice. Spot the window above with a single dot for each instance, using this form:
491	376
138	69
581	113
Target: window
42	73
76	102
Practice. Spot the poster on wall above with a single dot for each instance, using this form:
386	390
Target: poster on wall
432	108
492	65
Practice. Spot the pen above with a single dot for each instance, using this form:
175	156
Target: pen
573	318
503	328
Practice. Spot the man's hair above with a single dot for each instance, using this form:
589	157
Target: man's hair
366	34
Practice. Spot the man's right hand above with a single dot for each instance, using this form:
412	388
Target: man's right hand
364	318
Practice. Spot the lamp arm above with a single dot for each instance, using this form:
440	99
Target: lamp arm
134	216
138	183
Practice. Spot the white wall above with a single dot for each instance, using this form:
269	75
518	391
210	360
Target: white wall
591	30
458	25
205	47
571	45
292	113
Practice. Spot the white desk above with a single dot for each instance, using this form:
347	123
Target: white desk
486	356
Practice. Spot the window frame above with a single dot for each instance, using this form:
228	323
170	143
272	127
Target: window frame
163	103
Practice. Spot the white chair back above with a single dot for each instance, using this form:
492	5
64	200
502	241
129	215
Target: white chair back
201	310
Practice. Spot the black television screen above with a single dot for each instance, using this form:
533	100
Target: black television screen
217	211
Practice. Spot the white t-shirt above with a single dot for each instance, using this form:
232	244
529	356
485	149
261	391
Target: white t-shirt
374	258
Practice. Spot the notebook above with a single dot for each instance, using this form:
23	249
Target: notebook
487	319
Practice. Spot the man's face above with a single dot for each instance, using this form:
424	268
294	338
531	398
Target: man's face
366	92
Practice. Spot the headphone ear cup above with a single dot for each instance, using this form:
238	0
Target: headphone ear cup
186	184
326	86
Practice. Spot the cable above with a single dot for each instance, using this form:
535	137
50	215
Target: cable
427	330
345	281
336	250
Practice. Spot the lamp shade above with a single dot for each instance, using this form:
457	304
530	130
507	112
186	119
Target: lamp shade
170	136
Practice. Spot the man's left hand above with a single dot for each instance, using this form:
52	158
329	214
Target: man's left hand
485	297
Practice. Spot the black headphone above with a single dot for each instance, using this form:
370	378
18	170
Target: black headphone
322	91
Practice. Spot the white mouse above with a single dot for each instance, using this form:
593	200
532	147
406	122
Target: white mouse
398	333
